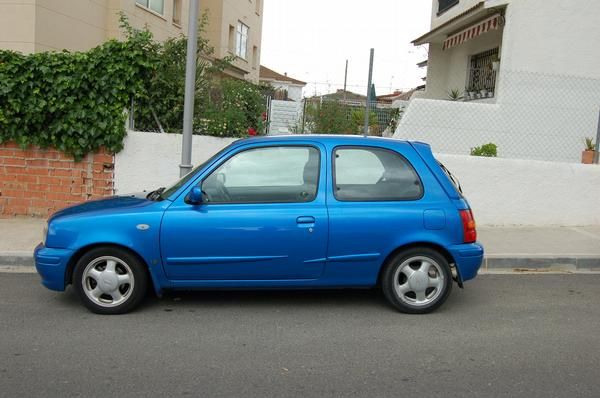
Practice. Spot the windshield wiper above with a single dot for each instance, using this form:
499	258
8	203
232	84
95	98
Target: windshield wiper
156	194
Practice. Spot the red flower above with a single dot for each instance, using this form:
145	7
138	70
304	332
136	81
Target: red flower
251	131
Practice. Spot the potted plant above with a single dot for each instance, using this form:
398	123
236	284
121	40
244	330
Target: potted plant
587	156
454	94
469	93
495	63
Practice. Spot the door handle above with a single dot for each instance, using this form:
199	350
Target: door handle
305	220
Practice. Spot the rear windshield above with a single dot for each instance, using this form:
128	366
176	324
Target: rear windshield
451	177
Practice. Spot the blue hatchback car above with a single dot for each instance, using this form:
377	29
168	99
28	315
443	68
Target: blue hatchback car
304	211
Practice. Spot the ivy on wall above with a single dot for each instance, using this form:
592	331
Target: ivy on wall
76	101
73	101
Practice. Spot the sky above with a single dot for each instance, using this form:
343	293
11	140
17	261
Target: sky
311	40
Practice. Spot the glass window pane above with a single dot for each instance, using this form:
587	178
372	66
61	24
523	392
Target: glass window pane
142	2
367	174
273	174
157	6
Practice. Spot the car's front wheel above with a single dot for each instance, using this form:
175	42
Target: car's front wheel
417	281
110	280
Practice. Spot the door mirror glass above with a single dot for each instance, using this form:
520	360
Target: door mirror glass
195	196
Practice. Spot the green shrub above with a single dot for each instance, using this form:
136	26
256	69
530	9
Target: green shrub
330	117
487	150
232	108
73	101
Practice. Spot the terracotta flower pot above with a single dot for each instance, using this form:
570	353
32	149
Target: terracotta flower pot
587	157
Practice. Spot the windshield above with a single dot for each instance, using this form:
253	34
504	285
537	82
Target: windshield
181	182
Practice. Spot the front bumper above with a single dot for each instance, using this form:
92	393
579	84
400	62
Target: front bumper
51	264
468	258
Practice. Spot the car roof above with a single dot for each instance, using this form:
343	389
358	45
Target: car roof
346	138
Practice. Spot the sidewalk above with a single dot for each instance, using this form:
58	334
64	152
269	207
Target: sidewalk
507	248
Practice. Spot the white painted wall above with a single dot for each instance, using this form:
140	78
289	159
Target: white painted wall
151	160
501	191
294	90
528	192
547	94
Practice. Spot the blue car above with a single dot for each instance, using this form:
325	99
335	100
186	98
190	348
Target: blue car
301	212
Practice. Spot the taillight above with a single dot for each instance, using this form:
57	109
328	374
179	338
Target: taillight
468	222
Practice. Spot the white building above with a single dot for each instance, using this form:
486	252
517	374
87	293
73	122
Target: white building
289	87
528	72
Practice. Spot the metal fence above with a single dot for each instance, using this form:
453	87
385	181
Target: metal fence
338	116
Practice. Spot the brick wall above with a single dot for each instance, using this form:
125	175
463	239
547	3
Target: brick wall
37	182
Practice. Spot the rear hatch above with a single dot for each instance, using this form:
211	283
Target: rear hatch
451	185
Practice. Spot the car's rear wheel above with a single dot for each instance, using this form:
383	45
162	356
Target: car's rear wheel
417	281
110	280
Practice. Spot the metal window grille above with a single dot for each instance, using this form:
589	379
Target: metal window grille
482	75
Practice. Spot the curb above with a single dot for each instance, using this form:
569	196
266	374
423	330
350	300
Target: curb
541	263
17	259
494	262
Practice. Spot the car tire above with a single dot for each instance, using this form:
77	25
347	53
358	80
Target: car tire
110	280
417	281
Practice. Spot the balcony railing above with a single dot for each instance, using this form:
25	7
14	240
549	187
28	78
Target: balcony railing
444	5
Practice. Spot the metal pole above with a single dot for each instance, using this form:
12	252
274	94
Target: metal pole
131	115
366	130
303	113
345	79
597	149
190	89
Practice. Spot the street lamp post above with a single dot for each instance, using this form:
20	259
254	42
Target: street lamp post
190	89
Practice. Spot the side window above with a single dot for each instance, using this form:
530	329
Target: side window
281	174
374	174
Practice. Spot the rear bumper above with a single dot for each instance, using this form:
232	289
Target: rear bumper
51	264
468	258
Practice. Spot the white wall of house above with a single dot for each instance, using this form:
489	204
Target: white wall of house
462	6
294	90
547	93
527	192
151	160
448	69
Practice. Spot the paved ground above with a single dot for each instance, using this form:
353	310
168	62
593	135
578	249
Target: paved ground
504	335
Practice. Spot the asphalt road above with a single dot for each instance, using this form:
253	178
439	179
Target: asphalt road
504	335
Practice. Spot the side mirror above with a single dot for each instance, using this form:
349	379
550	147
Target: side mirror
195	196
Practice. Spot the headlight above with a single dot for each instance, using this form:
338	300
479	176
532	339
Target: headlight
45	233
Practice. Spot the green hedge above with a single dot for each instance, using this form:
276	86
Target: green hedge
76	101
73	101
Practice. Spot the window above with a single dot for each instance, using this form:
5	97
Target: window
281	174
444	5
177	12
371	174
157	6
241	42
482	75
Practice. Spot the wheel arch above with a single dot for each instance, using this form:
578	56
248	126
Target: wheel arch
84	249
429	245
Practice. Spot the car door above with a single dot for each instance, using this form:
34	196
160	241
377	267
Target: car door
375	198
263	217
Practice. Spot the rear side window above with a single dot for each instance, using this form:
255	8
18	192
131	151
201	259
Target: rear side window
373	174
